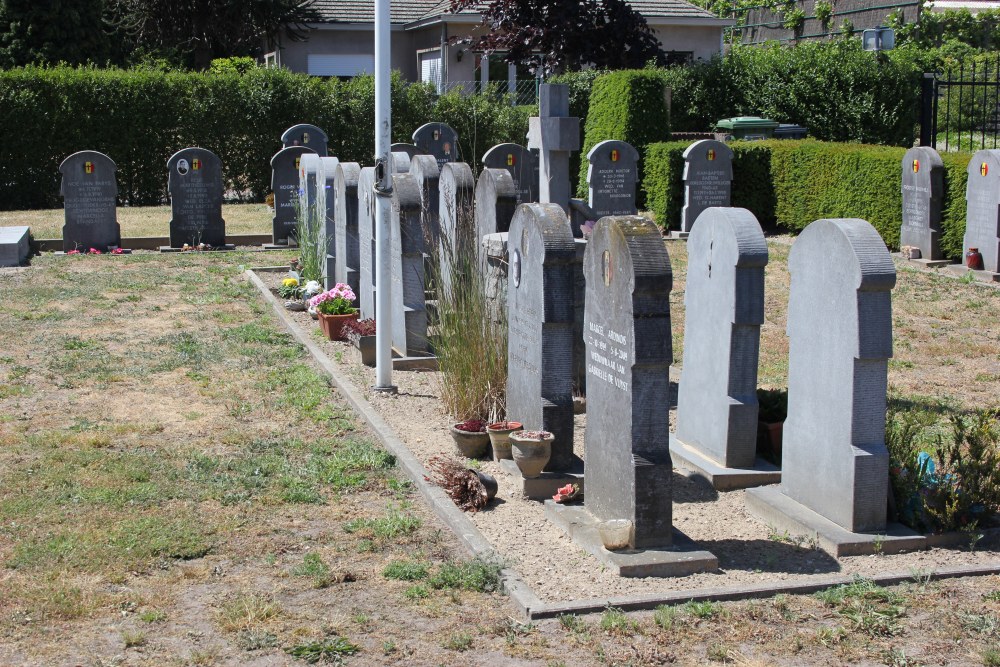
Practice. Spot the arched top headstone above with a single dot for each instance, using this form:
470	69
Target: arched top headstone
91	164
863	262
329	166
708	177
982	222
400	162
306	135
195	162
458	224
732	235
520	163
709	154
427	171
347	173
290	158
89	188
439	140
922	191
612	177
285	165
194	181
540	235
496	197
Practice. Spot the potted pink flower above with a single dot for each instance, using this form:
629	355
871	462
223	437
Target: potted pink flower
334	310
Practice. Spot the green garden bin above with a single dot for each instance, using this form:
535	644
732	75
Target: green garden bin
747	127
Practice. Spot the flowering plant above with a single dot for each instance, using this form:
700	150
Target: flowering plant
336	301
567	493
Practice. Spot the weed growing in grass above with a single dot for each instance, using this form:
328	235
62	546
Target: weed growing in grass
703	610
133	638
417	592
254	640
330	650
984	624
664	616
572	622
153	616
394	524
992	596
404	570
478	575
991	657
247	611
717	652
614	621
313	567
830	636
460	641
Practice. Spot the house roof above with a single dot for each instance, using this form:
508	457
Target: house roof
426	11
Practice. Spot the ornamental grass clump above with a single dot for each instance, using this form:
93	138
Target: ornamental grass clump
312	243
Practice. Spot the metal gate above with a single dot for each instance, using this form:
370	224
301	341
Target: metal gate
960	107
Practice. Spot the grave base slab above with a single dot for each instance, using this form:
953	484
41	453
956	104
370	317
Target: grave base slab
167	248
786	515
13	245
720	477
414	363
925	263
545	485
675	235
279	246
985	276
682	558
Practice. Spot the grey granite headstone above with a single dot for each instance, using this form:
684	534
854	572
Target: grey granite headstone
629	352
555	135
708	179
306	135
345	183
439	140
496	198
540	326
400	162
425	169
194	181
522	165
327	200
982	222
612	177
834	459
366	242
285	186
923	192
409	149
459	251
409	317
89	188
724	309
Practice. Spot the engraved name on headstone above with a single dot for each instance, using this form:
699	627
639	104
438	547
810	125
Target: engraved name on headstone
923	191
629	352
612	176
89	188
982	222
345	183
285	186
522	165
439	140
194	181
306	135
708	179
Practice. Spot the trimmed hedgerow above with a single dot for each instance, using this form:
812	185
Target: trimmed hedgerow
793	183
627	105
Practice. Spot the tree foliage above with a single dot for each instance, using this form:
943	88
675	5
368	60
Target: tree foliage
68	31
205	29
552	36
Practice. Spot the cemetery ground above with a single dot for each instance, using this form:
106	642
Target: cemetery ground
180	486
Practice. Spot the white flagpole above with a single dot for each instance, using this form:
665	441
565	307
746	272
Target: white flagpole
383	200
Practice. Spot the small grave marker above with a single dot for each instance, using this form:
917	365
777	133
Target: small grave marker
923	191
194	181
439	140
612	176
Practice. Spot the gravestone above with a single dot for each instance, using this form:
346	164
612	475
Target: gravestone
409	318
522	165
708	179
327	199
400	162
285	186
724	309
834	459
346	244
194	181
89	188
923	191
496	199
458	251
439	140
540	326
306	135
629	352
366	242
611	177
982	222
409	149
425	169
555	135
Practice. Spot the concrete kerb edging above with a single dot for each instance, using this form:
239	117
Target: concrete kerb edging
467	533
527	603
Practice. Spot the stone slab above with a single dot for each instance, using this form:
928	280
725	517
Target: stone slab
984	276
784	514
924	263
684	557
675	235
13	245
228	246
722	478
545	485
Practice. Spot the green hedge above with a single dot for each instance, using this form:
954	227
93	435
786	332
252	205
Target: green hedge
627	106
141	117
793	183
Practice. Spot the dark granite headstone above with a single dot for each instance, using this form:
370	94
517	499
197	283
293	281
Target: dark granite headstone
496	199
923	191
629	352
555	134
708	179
724	309
306	135
982	222
194	181
425	169
89	188
612	176
522	165
834	458
409	317
366	242
409	149
326	197
439	140
345	183
285	186
540	326
459	250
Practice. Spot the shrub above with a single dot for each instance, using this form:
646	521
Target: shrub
627	106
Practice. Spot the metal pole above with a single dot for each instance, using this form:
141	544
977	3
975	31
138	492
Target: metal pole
383	200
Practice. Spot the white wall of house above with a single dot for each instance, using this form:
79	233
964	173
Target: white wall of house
702	41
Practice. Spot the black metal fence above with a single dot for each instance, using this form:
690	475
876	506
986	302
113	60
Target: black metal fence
960	107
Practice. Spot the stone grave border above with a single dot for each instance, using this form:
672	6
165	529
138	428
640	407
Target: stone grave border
520	594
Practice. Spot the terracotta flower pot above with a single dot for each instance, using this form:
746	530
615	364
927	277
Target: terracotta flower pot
470	444
531	451
500	438
333	325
